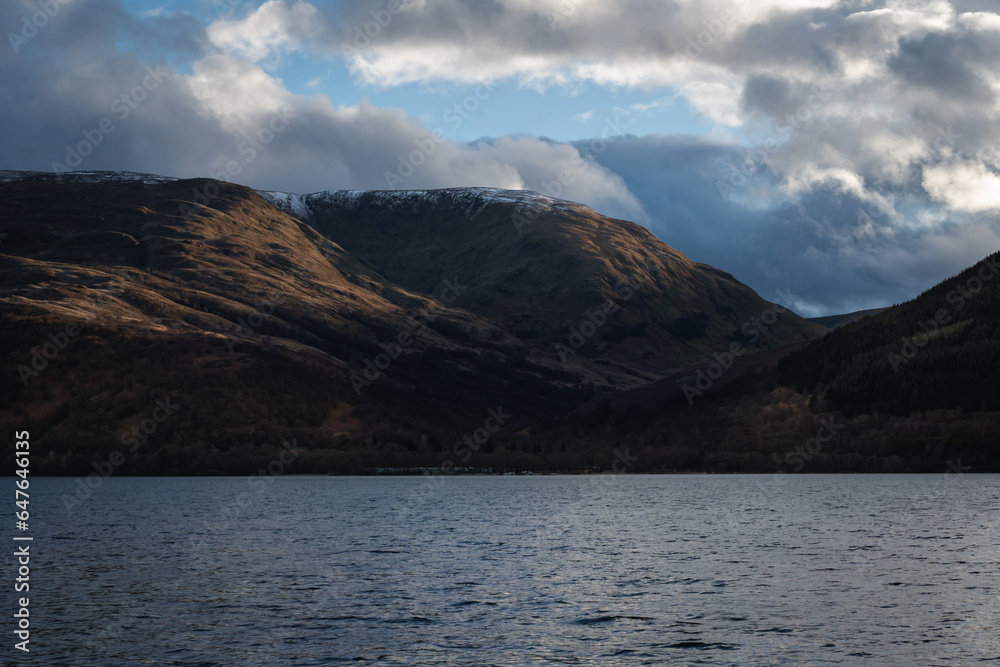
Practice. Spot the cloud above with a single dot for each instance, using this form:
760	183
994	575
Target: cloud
229	118
272	29
156	11
628	43
856	153
964	187
839	248
715	99
562	171
651	108
235	91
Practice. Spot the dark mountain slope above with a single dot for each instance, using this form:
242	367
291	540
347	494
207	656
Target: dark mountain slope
538	265
940	350
911	389
394	340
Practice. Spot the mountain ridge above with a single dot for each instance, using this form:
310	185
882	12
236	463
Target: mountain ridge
459	222
384	330
347	335
843	319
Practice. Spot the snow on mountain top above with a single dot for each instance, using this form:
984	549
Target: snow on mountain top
287	202
482	194
301	205
475	198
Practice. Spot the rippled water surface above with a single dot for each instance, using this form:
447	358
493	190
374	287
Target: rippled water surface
615	570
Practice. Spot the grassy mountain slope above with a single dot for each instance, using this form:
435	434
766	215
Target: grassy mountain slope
538	266
248	318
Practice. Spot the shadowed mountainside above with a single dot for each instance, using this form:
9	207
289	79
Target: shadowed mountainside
538	265
940	350
910	389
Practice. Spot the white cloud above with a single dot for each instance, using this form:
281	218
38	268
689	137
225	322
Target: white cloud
808	177
365	147
654	107
980	21
717	100
236	91
560	171
271	29
967	187
156	11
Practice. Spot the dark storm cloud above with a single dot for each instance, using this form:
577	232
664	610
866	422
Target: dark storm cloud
837	252
941	62
70	77
767	94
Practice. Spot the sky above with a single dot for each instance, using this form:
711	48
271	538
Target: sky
847	151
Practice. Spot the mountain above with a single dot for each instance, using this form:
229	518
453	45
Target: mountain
939	351
538	266
909	389
196	325
837	321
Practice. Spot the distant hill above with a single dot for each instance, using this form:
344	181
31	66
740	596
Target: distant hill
837	321
940	350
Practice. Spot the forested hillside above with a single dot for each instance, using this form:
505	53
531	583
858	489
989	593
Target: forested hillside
940	350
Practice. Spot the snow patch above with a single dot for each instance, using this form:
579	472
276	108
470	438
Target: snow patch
287	202
474	199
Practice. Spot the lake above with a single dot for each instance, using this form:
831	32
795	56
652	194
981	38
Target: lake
525	570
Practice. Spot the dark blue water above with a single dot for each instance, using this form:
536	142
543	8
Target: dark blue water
616	570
